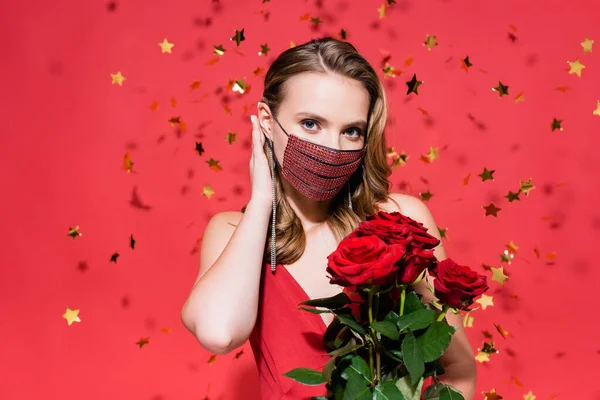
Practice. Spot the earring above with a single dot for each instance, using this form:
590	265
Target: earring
273	215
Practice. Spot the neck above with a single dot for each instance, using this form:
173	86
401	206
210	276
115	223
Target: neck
312	213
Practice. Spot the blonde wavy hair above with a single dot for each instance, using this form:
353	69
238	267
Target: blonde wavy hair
369	185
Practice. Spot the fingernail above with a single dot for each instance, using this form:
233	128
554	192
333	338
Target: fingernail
252	118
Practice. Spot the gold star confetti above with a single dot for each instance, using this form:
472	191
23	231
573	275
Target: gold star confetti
165	46
465	64
315	20
442	232
230	137
117	78
214	165
491	209
143	341
238	37
132	242
154	105
503	332
486	175
413	85
381	11
199	149
71	316
519	98
430	42
219	50
468	320
498	275
114	256
526	186
492	395
207	191
576	67
511	196
389	70
587	45
237	86
501	89
529	396
426	196
597	110
74	232
506	257
127	162
466	179
512	248
482	357
212	359
431	156
555	124
194	85
264	49
485	301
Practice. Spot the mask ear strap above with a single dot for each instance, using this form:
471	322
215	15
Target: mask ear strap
276	120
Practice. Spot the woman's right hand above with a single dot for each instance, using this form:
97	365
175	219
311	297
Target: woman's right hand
260	171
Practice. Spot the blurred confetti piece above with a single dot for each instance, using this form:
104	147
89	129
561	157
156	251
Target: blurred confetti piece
165	46
576	67
71	316
587	45
117	78
143	341
74	232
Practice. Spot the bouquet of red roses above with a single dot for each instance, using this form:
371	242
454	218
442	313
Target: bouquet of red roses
385	344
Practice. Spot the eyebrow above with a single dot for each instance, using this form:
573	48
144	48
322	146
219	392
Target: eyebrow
317	116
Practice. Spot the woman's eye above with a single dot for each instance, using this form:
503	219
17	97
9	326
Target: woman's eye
358	132
308	120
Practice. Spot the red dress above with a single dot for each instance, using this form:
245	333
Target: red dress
286	337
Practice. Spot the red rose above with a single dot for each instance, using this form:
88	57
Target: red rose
415	262
390	232
365	260
457	285
418	230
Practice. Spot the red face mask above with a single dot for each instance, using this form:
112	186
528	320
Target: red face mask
318	172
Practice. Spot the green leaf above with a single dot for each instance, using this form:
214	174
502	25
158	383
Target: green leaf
350	322
435	340
387	391
357	389
449	393
408	389
412	302
350	347
337	301
386	328
415	320
357	366
319	398
306	376
413	358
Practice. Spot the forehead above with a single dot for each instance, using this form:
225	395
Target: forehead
335	97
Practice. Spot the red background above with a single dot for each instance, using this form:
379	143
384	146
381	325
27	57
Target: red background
66	130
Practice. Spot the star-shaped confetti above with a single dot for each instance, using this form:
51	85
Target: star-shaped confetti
426	196
381	11
487	175
556	124
529	396
71	316
526	186
74	232
465	64
199	149
501	89
498	275
131	242
491	209
117	78
511	196
238	85
143	341
165	46
587	45
114	256
468	320
430	42
219	50
503	332
431	155
413	85
485	301
214	165
207	191
597	110
492	395
264	49
238	37
230	137
127	162
576	67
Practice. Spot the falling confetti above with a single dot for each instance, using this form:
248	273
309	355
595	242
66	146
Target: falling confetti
165	46
71	316
117	78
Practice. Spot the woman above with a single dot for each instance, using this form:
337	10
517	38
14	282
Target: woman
318	168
